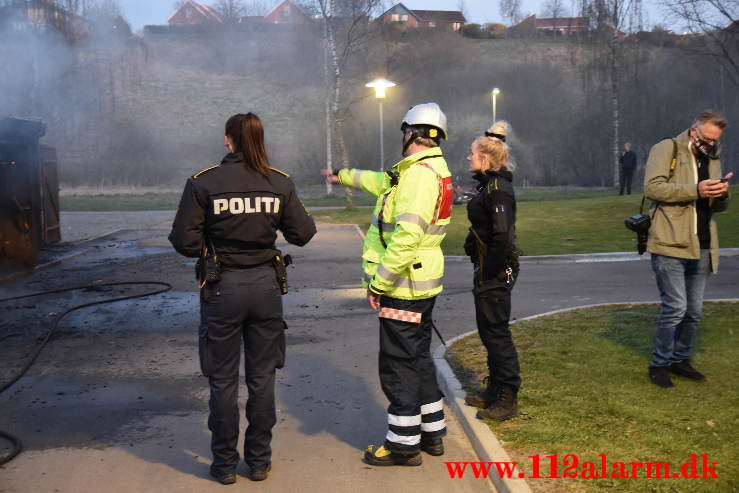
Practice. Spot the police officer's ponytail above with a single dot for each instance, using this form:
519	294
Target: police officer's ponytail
247	134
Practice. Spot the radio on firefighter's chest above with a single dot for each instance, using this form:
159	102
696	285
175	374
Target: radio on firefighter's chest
388	208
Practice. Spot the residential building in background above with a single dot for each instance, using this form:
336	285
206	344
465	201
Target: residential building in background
555	26
193	13
401	15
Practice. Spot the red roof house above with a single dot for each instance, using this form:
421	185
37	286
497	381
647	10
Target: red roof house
286	12
399	14
192	12
554	25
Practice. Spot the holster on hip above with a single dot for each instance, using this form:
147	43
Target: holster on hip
280	263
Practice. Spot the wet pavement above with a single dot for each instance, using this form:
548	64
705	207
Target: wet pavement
116	401
116	398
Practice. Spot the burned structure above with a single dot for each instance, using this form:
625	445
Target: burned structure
29	193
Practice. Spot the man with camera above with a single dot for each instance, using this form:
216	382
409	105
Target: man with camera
683	180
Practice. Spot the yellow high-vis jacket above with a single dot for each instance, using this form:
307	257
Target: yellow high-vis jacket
405	260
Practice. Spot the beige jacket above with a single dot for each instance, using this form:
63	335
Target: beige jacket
674	230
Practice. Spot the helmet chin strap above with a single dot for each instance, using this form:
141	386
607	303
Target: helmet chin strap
410	140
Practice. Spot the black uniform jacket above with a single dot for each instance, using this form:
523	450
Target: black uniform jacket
239	210
492	214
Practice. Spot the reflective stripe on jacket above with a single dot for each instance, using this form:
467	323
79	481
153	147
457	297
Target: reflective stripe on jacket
414	214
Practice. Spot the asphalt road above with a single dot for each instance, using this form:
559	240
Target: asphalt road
116	402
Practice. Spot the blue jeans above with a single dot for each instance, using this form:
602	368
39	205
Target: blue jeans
681	284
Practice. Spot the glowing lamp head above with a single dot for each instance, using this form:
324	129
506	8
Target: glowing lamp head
380	86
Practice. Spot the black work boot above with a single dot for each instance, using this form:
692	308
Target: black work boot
505	407
660	376
433	446
223	477
260	474
381	456
685	369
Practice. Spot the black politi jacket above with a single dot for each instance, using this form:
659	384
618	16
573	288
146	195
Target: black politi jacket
492	214
240	211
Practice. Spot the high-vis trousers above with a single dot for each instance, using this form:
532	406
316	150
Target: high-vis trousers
245	304
408	375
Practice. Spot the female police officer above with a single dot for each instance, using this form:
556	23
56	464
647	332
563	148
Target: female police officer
228	216
491	247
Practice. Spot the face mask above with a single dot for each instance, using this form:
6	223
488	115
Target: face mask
703	147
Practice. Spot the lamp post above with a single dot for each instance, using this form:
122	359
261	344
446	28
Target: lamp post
494	96
380	85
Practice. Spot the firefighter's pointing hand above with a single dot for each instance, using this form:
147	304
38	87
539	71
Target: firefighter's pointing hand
331	177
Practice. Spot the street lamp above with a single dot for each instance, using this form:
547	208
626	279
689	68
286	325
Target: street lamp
380	85
494	95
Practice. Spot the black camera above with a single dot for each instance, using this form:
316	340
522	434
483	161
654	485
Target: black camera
638	223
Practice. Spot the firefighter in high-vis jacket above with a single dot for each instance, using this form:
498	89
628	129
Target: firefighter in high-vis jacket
403	269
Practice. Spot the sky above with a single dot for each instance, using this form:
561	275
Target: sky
141	12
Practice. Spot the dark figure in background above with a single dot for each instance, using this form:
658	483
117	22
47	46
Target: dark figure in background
491	247
683	180
628	166
233	211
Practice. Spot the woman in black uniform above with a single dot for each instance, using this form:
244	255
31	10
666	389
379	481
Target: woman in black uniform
491	247
228	216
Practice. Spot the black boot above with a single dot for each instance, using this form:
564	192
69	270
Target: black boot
381	456
685	369
505	407
485	398
433	446
660	376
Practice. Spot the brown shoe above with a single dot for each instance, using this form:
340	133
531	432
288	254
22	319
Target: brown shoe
505	407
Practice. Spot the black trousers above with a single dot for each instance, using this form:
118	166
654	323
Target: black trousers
493	312
625	180
408	375
245	304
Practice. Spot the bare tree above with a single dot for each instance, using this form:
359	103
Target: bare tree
231	10
610	17
511	10
101	9
718	23
350	20
462	7
257	7
554	9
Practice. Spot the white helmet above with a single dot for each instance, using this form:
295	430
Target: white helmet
426	115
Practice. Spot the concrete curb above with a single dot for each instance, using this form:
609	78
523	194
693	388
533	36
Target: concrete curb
585	257
487	446
483	440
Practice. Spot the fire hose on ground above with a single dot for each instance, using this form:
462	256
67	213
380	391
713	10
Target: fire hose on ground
17	445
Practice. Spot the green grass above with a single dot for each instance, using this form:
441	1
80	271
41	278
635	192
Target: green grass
592	222
585	392
169	201
531	194
121	202
549	227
